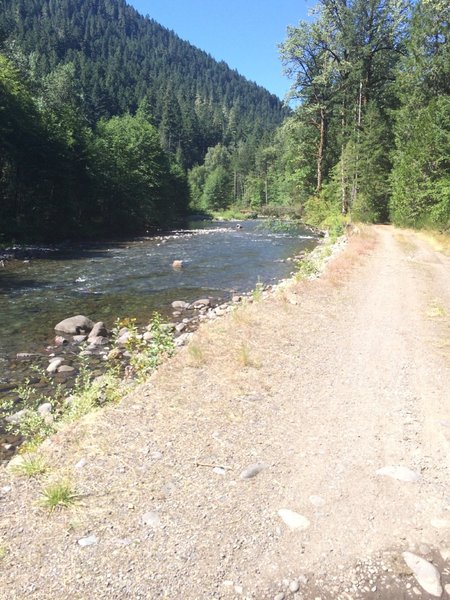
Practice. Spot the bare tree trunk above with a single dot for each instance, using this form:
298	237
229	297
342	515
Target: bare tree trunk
344	198
321	150
358	137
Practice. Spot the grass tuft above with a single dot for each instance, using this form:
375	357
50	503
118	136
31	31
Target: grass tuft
58	495
245	359
196	354
32	466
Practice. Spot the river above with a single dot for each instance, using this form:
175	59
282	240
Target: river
132	279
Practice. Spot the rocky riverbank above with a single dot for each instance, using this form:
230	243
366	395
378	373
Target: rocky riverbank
46	378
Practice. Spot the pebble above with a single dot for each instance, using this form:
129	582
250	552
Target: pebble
293	520
219	471
280	596
440	523
317	501
92	540
151	519
6	489
399	473
252	471
445	553
81	463
294	586
426	574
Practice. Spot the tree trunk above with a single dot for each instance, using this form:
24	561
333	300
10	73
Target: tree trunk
321	150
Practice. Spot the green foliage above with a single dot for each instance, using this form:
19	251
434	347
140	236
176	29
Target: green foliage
107	110
307	267
91	393
420	177
257	293
146	354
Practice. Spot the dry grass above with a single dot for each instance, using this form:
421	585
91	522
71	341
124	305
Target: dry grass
435	310
362	241
438	241
245	357
196	354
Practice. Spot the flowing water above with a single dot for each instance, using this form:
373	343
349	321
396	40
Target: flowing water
132	279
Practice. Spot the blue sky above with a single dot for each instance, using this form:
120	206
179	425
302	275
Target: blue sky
243	33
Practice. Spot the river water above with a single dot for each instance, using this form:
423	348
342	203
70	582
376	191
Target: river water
132	279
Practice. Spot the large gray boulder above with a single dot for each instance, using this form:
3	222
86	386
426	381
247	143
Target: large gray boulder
75	325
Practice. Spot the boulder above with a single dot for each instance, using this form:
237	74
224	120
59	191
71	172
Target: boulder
54	365
17	417
180	305
124	336
99	330
75	325
66	369
201	303
44	409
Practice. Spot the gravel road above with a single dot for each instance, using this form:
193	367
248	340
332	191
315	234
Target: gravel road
298	448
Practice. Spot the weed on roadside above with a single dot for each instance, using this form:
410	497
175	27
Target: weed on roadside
257	293
307	268
245	359
58	495
196	354
32	466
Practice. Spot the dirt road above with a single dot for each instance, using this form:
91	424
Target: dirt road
297	449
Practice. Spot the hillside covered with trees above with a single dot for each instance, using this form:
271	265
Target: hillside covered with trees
110	123
103	111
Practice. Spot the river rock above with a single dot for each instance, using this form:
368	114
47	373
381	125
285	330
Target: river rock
15	463
44	409
75	325
79	339
180	305
180	327
99	330
98	340
425	573
17	417
66	369
202	303
60	340
124	336
54	365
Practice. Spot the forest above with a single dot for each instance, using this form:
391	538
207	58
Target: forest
111	124
102	114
